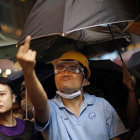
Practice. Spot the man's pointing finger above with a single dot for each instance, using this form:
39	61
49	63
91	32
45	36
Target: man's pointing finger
27	42
25	47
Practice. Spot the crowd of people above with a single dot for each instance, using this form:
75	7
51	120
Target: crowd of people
72	114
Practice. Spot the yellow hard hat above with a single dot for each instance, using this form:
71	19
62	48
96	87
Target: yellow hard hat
77	56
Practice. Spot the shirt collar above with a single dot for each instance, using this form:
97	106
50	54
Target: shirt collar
58	101
87	100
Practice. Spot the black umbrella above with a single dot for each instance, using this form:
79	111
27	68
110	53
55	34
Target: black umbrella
107	76
77	20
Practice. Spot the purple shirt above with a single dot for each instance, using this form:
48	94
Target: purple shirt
15	130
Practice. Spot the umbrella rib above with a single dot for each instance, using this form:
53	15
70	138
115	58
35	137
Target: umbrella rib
95	26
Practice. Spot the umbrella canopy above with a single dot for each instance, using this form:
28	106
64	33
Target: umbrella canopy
107	76
53	17
77	20
61	45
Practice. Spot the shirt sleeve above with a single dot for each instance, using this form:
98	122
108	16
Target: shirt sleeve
114	124
45	126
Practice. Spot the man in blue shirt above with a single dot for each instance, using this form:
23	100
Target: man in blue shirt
72	114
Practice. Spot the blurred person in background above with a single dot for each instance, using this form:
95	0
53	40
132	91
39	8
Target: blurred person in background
12	128
18	111
28	110
132	111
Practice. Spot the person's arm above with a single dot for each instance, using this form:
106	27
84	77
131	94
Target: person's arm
36	93
132	108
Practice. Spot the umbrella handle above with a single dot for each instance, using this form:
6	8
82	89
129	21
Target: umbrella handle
128	79
115	43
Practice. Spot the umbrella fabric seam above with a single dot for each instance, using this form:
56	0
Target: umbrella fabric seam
96	25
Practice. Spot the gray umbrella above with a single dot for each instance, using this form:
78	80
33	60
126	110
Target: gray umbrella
77	20
53	17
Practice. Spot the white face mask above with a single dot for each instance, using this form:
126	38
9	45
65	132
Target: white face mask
69	96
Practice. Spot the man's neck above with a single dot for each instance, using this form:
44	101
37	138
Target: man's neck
7	119
74	104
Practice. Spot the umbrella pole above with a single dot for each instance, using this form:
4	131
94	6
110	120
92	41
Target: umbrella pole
115	43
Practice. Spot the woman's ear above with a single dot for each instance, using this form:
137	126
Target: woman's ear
14	98
85	82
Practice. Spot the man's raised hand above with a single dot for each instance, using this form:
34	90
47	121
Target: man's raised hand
26	56
128	79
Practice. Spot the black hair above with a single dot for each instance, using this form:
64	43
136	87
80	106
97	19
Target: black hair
8	82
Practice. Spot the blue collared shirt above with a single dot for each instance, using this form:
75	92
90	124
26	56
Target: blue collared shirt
97	121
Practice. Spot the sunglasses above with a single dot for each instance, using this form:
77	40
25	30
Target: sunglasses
70	66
